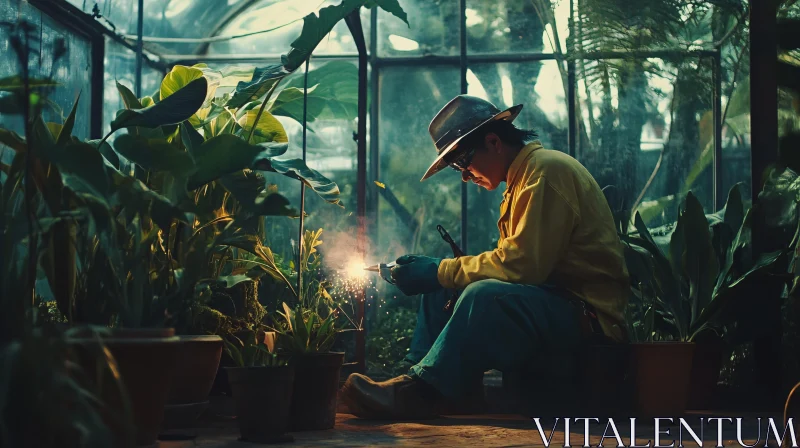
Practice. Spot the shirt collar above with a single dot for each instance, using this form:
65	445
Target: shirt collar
519	162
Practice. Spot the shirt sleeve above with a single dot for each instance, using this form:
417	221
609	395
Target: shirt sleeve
542	222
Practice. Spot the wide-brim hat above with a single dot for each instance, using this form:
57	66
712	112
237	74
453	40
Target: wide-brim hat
458	119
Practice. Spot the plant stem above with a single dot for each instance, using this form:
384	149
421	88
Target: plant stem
261	109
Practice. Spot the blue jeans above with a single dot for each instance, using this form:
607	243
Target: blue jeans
494	325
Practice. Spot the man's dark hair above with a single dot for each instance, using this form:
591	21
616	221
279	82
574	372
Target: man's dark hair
506	130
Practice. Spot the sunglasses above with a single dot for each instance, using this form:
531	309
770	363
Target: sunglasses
463	161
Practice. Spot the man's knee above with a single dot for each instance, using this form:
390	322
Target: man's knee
483	288
481	292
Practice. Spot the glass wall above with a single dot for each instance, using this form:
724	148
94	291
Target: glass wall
540	87
647	130
72	71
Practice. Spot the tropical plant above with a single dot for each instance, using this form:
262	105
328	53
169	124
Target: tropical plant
617	26
249	350
306	331
698	286
310	324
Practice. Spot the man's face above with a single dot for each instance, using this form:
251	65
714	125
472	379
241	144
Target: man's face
486	168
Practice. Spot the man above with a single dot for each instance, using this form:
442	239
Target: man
557	275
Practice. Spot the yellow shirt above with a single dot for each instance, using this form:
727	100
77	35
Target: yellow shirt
556	228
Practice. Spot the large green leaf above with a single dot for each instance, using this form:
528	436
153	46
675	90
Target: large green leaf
263	80
315	28
69	123
256	197
224	123
128	98
268	129
734	208
225	154
700	263
107	151
174	109
206	114
332	94
179	77
154	154
190	137
666	281
78	159
12	140
297	169
135	195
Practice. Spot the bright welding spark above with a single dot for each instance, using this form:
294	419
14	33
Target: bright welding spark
355	269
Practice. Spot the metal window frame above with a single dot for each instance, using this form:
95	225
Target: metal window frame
78	22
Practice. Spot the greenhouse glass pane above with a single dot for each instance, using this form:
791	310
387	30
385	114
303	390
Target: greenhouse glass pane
268	14
736	143
540	88
630	114
120	15
72	72
432	29
517	26
409	211
409	99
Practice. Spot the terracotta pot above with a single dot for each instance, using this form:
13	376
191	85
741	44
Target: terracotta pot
194	375
661	373
706	365
146	360
316	384
197	365
263	397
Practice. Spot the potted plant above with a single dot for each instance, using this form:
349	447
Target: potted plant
262	385
209	266
307	332
683	296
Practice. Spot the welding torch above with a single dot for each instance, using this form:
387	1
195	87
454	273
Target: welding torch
385	269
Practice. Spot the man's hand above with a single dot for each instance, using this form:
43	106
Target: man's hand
417	274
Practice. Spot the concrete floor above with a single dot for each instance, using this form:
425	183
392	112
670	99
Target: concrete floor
480	430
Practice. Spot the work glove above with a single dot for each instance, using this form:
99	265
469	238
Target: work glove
416	274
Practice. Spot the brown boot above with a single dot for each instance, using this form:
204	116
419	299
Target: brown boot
399	398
